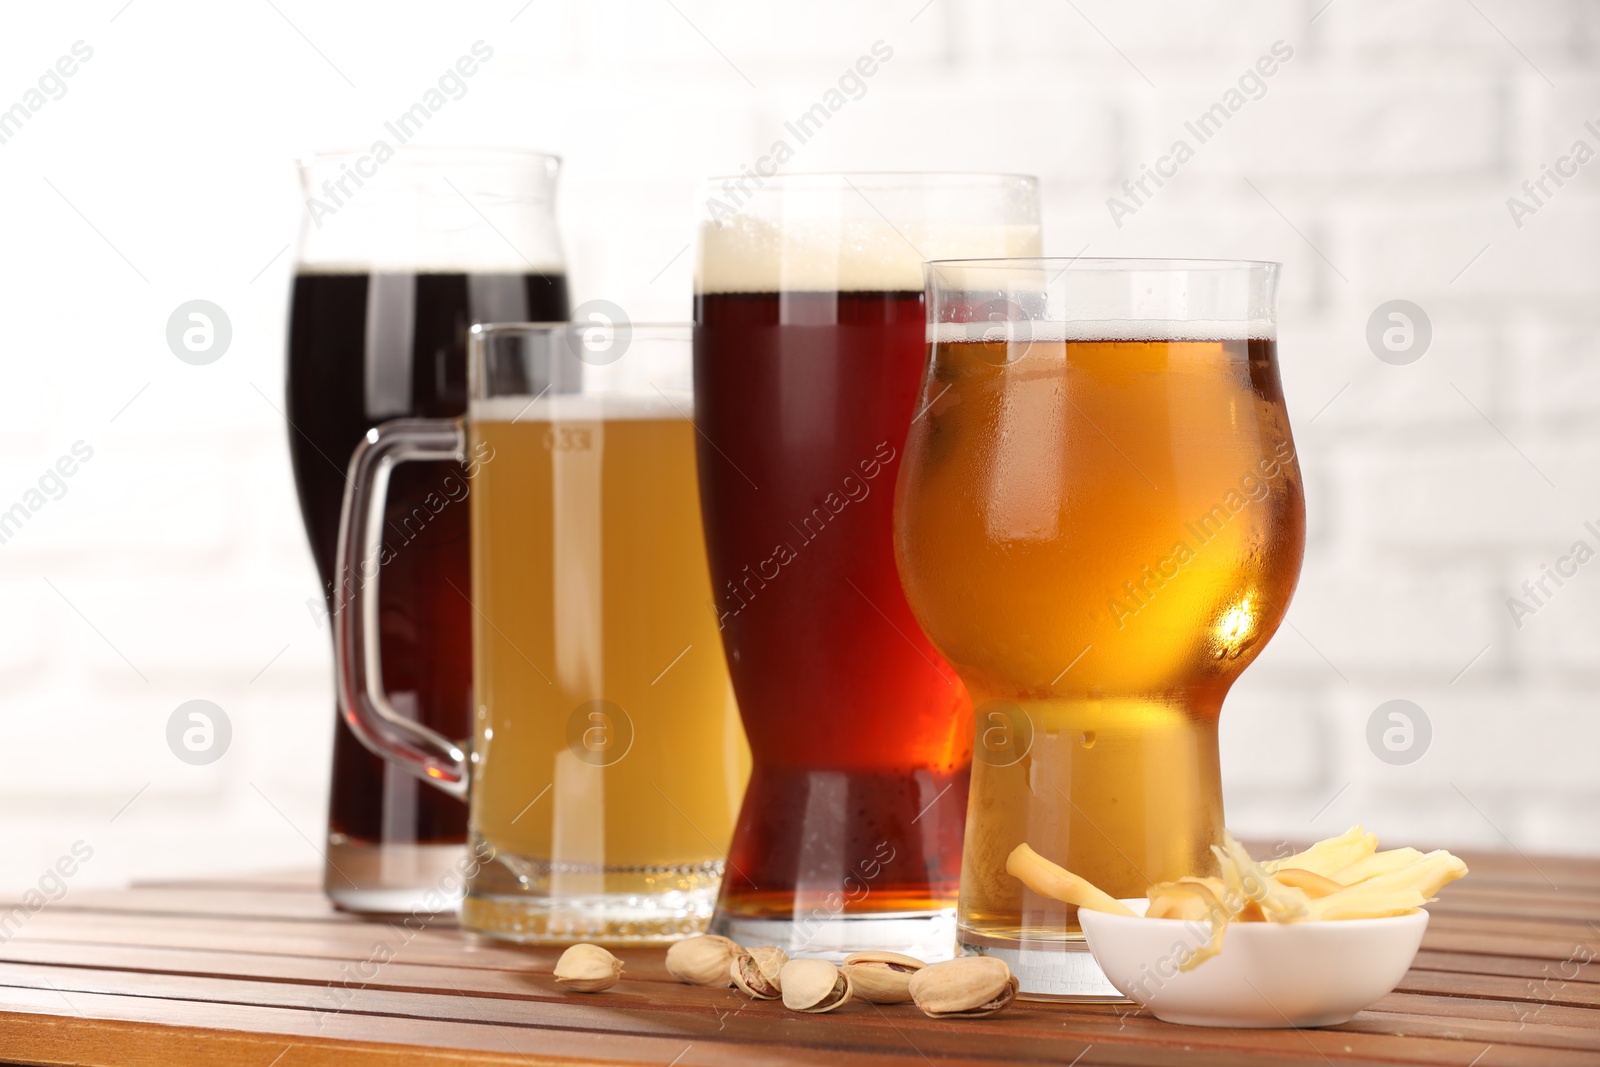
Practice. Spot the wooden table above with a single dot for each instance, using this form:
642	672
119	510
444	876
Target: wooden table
263	972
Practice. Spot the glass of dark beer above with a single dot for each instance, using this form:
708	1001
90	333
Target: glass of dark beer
809	347
400	255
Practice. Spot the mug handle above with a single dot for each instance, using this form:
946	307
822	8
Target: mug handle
358	664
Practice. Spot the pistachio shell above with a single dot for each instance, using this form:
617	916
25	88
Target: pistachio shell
703	960
881	977
587	969
964	988
813	986
757	973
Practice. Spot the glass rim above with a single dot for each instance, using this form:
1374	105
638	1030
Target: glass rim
1107	263
565	344
426	156
879	179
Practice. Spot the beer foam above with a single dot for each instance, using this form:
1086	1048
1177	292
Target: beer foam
750	254
385	263
1105	330
579	407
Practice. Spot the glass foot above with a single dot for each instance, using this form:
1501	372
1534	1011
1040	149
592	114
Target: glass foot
928	936
373	879
610	918
537	902
1047	970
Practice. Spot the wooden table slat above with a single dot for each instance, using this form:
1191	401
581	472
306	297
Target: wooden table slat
261	970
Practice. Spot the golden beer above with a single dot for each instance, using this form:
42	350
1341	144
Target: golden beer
1099	536
609	756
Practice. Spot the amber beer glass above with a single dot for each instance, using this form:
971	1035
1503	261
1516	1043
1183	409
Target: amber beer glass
808	354
1099	524
606	759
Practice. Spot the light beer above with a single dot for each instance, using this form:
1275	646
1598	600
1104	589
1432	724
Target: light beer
609	758
1098	535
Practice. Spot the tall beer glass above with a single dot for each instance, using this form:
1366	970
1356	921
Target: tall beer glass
606	759
808	350
398	258
1099	523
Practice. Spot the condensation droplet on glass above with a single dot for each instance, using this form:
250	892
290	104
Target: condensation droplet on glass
1087	740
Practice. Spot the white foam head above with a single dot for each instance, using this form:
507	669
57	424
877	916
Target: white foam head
386	262
580	407
753	254
1021	332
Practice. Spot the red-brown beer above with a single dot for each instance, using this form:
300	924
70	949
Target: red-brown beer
860	734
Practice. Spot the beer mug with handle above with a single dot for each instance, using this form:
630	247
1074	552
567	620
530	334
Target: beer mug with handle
606	760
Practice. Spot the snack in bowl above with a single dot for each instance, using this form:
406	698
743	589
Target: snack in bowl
1311	939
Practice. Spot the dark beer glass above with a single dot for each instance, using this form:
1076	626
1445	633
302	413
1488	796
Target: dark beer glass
398	259
808	353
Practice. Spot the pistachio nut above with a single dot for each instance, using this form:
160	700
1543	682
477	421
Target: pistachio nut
964	988
813	986
881	977
703	960
757	972
588	969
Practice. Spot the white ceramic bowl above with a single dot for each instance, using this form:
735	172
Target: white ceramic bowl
1267	974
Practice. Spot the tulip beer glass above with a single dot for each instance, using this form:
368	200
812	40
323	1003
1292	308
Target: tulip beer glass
1099	524
606	760
808	352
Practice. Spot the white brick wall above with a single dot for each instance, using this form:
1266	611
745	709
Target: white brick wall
1390	142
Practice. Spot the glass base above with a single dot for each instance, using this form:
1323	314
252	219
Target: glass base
1046	970
372	879
537	902
928	936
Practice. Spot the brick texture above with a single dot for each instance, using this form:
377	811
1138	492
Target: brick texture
1376	165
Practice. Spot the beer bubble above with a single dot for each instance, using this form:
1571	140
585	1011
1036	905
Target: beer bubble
601	332
1009	336
1399	732
1004	733
199	732
199	332
599	733
1399	332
